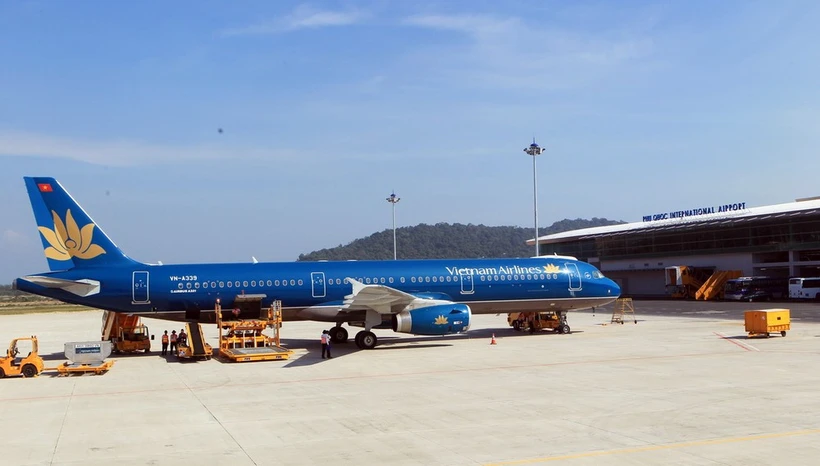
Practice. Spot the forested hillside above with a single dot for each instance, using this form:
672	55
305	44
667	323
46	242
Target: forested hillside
444	240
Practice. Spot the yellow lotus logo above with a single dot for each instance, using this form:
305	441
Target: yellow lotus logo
440	320
67	240
551	268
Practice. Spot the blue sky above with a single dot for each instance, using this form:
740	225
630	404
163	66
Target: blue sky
326	107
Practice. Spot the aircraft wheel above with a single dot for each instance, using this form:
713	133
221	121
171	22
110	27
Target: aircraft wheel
339	335
783	333
516	326
564	328
2	373
366	340
29	370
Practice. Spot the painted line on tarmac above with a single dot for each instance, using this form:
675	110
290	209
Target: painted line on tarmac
667	446
379	376
741	344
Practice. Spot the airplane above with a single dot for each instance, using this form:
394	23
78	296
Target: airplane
421	297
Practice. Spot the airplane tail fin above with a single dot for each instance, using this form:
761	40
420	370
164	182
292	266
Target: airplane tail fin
70	238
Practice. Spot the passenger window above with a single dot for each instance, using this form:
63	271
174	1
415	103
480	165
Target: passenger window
253	283
269	283
435	279
245	283
390	279
367	280
230	284
213	284
413	279
401	279
529	277
381	280
276	283
292	282
300	282
236	283
427	279
196	285
502	278
222	284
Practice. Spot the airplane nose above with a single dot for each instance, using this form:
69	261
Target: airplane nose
615	290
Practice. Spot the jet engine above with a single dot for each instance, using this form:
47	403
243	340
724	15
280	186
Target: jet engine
440	319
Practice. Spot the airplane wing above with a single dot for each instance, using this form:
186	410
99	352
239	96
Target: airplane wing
379	298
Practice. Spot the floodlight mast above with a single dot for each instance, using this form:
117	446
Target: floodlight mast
393	199
534	150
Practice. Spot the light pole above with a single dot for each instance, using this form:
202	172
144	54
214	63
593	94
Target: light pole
393	199
534	150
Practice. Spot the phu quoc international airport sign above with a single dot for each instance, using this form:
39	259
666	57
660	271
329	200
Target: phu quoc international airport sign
695	212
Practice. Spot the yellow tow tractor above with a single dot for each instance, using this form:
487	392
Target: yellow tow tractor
84	358
532	321
29	366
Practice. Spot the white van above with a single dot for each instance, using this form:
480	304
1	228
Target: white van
804	288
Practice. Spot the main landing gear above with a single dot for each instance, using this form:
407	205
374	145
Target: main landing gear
338	334
365	339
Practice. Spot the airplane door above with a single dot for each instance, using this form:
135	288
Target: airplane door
574	276
317	280
467	283
139	290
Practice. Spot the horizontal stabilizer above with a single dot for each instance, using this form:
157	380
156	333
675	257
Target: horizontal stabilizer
83	287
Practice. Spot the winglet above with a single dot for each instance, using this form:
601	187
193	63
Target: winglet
357	286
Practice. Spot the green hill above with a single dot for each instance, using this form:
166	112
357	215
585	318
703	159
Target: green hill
444	240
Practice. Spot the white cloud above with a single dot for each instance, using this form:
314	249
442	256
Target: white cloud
509	52
124	152
13	238
303	17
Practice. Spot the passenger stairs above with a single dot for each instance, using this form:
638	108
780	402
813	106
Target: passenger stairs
113	321
713	287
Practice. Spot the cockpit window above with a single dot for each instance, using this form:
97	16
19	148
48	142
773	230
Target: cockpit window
597	274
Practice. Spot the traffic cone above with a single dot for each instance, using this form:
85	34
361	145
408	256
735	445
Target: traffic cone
492	342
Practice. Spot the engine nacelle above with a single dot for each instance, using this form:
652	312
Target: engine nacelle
441	319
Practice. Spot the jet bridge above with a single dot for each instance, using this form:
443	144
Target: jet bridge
243	340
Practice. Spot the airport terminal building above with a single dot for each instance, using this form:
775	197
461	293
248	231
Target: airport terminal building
780	240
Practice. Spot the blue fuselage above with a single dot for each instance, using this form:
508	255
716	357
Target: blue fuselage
315	290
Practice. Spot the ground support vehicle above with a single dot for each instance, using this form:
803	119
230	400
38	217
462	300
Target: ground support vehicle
243	340
533	321
762	323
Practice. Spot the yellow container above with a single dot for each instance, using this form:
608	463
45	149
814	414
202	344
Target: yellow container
766	321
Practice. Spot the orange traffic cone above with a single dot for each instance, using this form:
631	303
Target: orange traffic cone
492	342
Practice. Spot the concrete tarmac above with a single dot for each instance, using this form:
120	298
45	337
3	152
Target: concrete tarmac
668	390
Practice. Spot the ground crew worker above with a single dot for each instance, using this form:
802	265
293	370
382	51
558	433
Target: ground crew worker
326	344
173	342
182	340
165	343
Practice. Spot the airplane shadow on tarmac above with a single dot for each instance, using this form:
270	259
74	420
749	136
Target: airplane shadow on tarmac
387	343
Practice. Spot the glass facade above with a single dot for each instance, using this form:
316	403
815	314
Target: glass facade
785	232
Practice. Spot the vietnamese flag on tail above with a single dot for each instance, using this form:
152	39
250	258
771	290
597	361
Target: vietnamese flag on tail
45	187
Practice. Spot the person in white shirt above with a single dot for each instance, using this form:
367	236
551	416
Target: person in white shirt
326	344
